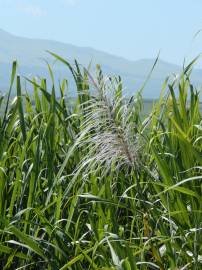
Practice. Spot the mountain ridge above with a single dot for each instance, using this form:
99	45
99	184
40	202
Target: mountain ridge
31	53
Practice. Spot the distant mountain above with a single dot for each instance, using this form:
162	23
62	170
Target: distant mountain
31	55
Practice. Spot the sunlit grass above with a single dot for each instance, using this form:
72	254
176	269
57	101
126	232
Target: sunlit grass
97	183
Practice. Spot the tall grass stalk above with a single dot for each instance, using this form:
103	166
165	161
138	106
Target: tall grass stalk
97	184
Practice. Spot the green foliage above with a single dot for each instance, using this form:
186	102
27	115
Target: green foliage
97	184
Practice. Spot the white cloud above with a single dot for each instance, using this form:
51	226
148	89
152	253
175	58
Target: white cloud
32	10
23	6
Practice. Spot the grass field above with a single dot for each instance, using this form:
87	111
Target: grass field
103	182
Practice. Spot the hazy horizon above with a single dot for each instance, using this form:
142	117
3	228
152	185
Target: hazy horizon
103	25
88	47
32	55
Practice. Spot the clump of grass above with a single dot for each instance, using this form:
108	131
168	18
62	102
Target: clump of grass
96	184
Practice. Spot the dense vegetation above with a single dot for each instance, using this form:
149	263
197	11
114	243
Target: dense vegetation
96	184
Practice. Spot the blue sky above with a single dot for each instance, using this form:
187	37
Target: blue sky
129	28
